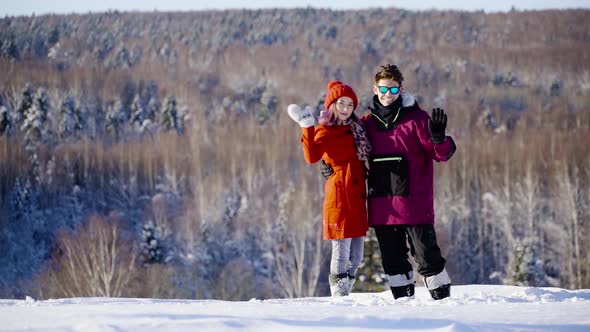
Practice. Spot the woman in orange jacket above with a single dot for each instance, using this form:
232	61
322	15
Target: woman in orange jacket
339	140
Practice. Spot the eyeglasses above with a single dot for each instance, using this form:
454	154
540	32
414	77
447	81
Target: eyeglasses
394	89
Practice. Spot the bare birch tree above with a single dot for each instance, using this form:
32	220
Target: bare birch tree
298	245
568	191
94	260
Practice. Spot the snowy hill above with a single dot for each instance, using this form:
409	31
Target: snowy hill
470	308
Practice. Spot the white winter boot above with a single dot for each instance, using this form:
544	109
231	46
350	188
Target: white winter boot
402	285
351	281
339	284
439	285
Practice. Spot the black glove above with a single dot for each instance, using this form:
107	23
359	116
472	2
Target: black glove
437	125
326	170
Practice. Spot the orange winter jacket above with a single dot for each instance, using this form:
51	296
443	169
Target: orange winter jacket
345	210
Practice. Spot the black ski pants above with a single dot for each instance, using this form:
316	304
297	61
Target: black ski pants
394	249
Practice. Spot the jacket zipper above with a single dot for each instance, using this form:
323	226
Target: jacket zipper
385	123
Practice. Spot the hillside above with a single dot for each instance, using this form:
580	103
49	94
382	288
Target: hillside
298	50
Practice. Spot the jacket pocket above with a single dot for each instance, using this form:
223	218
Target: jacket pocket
335	191
389	176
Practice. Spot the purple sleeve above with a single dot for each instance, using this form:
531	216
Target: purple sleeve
438	152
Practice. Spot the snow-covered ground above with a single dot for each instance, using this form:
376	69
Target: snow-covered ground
470	308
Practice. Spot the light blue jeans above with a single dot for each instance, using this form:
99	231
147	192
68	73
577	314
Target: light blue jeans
347	255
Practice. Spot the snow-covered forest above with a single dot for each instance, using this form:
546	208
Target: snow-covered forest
149	154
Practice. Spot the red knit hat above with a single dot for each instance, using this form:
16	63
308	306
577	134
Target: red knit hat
337	89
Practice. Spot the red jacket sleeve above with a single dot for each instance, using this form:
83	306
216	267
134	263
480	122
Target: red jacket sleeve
313	141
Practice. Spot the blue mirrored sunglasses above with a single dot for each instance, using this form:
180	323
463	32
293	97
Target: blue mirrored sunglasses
394	89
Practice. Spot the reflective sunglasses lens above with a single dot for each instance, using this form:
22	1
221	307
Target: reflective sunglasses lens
394	89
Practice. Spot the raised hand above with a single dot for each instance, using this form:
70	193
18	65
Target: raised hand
437	125
303	117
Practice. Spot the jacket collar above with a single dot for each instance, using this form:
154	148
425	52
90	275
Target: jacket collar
388	116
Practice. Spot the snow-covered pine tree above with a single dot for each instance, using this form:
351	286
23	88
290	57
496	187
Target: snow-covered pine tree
49	171
26	102
526	267
70	118
21	198
24	239
137	111
140	117
4	120
152	249
152	100
34	121
9	48
35	131
370	276
233	203
115	118
169	117
153	108
220	242
268	103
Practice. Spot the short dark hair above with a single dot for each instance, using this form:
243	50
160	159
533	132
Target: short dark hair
389	72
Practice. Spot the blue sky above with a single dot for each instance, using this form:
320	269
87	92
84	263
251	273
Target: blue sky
27	7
